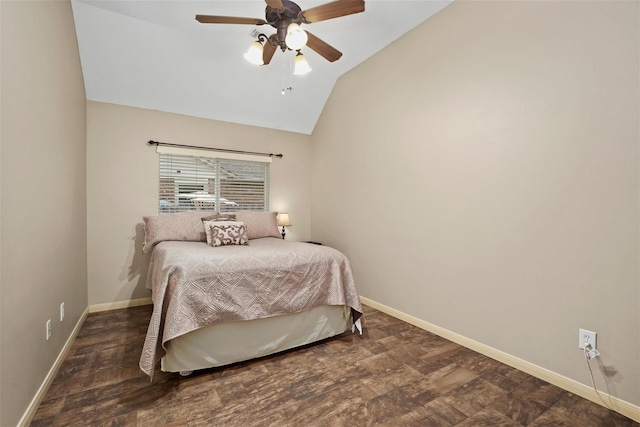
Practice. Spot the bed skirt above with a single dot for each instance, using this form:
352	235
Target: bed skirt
231	342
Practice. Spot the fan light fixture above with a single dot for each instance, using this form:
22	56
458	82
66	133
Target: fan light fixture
296	37
300	65
254	53
286	17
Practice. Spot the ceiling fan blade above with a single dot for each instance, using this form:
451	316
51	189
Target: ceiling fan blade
269	49
323	48
275	4
332	10
212	19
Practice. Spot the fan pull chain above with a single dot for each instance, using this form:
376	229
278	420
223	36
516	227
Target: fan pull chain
290	88
282	78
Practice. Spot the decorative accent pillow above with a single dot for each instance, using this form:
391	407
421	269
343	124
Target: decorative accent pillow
227	233
259	224
181	226
218	216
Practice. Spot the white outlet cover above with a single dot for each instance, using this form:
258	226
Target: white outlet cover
586	336
48	329
61	312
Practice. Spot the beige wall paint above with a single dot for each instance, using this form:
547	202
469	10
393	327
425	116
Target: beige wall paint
43	194
122	185
484	178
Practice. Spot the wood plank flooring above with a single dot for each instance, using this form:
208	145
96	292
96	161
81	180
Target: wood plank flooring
393	375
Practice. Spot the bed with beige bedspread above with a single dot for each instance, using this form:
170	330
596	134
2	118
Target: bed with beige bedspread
195	286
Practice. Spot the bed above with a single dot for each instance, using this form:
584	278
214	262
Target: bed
215	306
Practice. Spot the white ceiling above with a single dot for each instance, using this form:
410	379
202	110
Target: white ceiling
153	54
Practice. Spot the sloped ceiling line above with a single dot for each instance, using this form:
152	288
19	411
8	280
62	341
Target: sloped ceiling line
155	55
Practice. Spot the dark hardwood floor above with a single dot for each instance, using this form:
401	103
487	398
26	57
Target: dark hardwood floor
395	375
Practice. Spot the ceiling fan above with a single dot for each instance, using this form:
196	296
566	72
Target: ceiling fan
286	16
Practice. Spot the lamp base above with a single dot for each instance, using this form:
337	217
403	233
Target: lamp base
283	233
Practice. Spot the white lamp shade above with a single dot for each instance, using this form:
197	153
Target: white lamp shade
296	37
300	65
283	220
254	53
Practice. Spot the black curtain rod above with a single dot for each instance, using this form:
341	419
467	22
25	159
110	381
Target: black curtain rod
224	150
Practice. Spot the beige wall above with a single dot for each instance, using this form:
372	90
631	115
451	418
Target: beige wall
484	178
43	194
504	158
122	185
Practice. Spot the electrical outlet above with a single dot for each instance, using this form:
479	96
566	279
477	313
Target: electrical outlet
48	329
61	312
587	337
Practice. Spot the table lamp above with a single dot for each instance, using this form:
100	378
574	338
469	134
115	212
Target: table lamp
283	221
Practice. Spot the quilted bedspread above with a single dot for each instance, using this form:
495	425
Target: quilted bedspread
195	285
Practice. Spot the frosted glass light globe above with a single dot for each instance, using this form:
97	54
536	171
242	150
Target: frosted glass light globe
296	37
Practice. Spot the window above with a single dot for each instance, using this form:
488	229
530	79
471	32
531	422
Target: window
192	182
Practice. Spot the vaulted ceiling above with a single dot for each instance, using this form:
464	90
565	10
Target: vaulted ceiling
153	54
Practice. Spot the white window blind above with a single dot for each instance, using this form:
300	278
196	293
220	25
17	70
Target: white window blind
190	182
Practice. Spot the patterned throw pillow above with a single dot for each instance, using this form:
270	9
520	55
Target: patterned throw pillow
227	233
217	216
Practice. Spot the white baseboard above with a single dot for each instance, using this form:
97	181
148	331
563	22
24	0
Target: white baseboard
37	399
621	406
119	304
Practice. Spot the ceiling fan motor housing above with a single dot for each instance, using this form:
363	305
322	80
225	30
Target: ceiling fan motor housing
280	19
290	12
